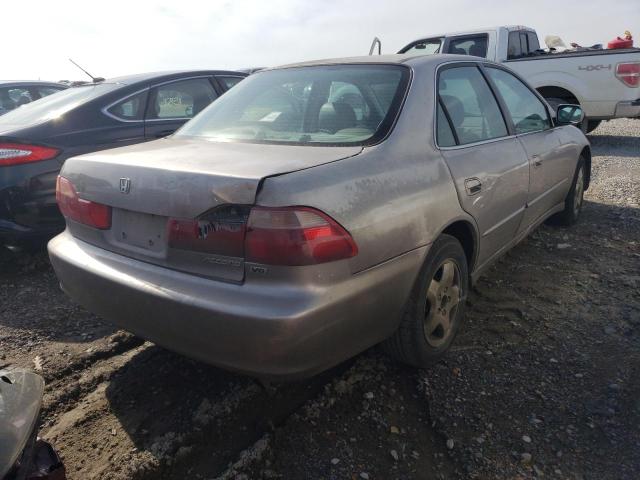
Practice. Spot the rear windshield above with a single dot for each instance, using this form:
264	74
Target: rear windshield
423	47
328	105
56	104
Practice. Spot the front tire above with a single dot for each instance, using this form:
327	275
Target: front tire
435	309
575	198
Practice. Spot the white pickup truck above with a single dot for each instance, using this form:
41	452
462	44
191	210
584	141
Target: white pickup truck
605	83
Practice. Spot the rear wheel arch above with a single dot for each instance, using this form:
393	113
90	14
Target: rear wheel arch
465	233
586	155
558	92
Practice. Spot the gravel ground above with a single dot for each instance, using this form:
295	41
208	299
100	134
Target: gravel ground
544	379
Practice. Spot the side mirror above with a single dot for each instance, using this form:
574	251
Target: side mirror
569	115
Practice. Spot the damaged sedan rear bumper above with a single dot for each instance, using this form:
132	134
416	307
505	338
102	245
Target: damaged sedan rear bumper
266	329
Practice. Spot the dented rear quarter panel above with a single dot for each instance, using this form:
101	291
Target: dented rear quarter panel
394	197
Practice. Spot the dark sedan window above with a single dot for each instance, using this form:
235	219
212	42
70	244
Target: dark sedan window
46	91
229	82
14	97
181	99
131	108
470	105
330	105
56	105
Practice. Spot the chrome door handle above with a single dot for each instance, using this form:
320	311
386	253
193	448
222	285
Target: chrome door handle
472	186
537	161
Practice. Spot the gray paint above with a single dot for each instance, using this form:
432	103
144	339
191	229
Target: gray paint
395	198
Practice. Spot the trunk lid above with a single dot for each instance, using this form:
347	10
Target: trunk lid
148	184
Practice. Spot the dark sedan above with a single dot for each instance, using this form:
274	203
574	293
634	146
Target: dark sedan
14	94
37	138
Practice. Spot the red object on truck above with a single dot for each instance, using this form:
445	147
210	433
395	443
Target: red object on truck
626	42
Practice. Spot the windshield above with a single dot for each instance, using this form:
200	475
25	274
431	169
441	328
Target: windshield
329	105
423	47
55	105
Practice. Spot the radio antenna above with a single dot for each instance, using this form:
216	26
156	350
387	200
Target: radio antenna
94	79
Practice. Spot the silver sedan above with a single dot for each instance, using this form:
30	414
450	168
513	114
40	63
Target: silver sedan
318	209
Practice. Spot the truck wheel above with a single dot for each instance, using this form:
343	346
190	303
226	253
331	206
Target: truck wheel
592	125
434	311
573	201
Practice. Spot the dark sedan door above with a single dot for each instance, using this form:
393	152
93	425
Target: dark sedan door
172	104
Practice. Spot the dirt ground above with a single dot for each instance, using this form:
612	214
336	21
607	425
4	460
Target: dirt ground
544	379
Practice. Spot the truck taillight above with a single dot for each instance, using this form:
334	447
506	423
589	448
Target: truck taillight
19	153
72	206
629	73
295	236
274	236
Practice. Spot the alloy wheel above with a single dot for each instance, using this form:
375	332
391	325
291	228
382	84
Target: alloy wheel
443	298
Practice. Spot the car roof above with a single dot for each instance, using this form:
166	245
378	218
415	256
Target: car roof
394	59
24	83
168	75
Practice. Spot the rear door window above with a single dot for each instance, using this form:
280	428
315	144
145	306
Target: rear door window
180	99
445	135
130	108
527	111
470	104
469	45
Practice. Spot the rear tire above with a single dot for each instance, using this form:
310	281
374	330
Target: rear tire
592	125
575	198
435	309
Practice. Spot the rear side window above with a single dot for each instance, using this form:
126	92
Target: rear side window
470	105
514	50
181	99
54	106
229	82
131	108
527	111
44	91
475	46
534	44
14	97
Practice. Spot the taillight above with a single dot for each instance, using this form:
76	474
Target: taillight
629	73
273	236
219	232
19	153
295	236
83	211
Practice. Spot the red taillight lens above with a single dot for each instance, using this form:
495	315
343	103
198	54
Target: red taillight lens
295	236
273	236
219	232
629	73
83	211
18	153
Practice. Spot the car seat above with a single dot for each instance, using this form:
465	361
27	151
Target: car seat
455	109
336	116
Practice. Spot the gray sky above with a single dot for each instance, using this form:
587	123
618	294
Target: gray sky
118	37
